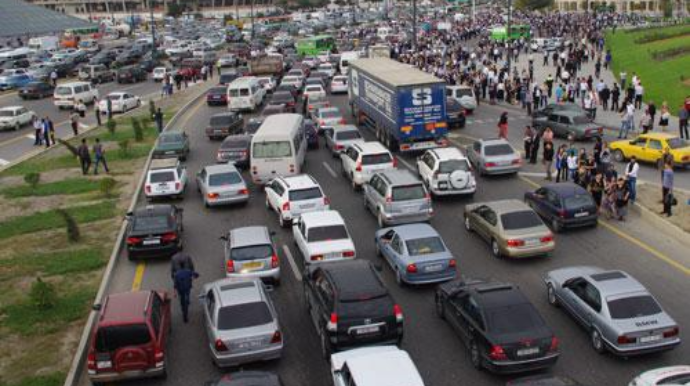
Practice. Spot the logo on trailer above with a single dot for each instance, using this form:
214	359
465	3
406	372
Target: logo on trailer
421	96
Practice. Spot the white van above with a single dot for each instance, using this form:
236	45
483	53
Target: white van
383	32
345	59
278	148
68	94
245	93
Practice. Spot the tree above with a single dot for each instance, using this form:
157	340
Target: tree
175	10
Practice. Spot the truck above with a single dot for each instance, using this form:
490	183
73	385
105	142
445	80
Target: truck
266	65
44	43
379	51
403	106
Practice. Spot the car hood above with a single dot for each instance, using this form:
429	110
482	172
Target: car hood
561	275
331	246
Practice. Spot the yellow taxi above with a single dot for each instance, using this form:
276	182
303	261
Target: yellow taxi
650	148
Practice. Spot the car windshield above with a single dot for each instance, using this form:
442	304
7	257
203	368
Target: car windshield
273	149
305	194
170	138
330	114
453	165
327	233
502	149
513	319
578	201
376	159
224	120
234	143
677	143
463	92
348	135
633	307
158	177
63	91
520	220
6	113
581	120
252	252
218	90
282	97
150	223
243	316
221	179
410	192
425	246
112	338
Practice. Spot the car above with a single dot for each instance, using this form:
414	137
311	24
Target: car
378	365
328	117
227	60
172	144
511	228
250	253
339	84
314	89
130	338
159	73
131	74
245	378
559	107
313	105
339	137
9	81
14	117
235	150
221	185
617	311
464	95
327	68
322	236
293	81
165	178
154	231
502	330
416	253
227	77
649	148
274	109
224	124
267	82
494	156
360	161
446	171
292	89
564	205
312	134
671	375
544	380
36	90
252	125
120	102
455	114
241	322
316	80
283	98
217	96
350	306
292	196
96	73
569	124
397	197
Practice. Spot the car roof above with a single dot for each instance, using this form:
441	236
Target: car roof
610	283
220	168
7	108
163	163
322	217
227	114
566	189
389	368
232	291
415	231
399	177
659	136
252	235
370	147
446	153
119	93
125	307
300	181
490	293
493	141
348	275
505	206
337	128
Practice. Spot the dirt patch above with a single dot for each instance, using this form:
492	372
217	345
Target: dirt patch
649	196
686	82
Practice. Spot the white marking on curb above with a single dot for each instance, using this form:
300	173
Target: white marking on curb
330	169
406	164
292	262
31	137
532	174
3	162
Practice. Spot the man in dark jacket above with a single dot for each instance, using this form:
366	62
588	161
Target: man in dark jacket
84	156
183	287
179	261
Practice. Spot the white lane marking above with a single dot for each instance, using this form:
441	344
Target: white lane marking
31	136
479	121
330	169
4	162
83	126
407	164
292	262
532	174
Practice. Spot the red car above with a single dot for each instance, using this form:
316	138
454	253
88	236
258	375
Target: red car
130	338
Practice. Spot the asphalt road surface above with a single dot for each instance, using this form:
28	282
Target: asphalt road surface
438	353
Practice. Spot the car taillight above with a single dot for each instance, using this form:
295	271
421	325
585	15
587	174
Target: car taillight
333	322
489	164
159	356
389	199
339	147
561	213
349	254
148	188
554	344
326	200
342	121
516	161
243	192
212	196
546	239
358	167
411	268
515	243
220	346
178	185
230	266
497	353
623	339
672	332
91	361
322	122
427	197
274	261
277	337
133	240
168	237
452	263
397	311
316	257
286	206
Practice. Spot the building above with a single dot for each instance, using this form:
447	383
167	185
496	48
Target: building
618	5
84	8
20	19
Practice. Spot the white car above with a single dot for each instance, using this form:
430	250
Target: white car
310	61
327	68
121	102
670	376
267	82
446	171
328	117
361	160
464	95
165	178
314	90
221	184
293	196
159	73
227	60
293	80
323	236
14	117
339	84
374	366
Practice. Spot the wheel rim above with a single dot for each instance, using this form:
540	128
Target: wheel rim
468	226
494	248
398	276
551	294
596	340
554	224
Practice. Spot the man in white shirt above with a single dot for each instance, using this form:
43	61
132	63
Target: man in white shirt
639	92
631	170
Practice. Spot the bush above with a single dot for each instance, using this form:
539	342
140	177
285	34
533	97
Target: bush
32	179
73	234
42	295
111	125
152	108
138	131
107	186
145	123
124	148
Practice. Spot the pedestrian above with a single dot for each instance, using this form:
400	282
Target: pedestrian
218	67
80	108
109	108
158	118
503	126
596	188
97	112
667	188
604	157
536	139
615	97
204	74
683	115
84	156
46	132
53	78
547	135
99	156
651	107
624	78
180	260
622	196
631	170
51	126
561	167
210	71
548	159
628	117
664	117
38	131
639	93
183	281
527	141
571	163
646	122
74	123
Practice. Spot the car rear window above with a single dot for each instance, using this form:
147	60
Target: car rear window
158	177
327	233
580	120
453	165
677	143
220	179
425	246
493	150
365	304
513	319
348	135
520	220
109	339
221	120
150	223
376	159
271	149
410	192
633	307
252	252
305	194
234	143
578	201
170	138
243	316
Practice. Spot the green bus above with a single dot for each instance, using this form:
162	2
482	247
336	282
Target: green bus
315	45
516	32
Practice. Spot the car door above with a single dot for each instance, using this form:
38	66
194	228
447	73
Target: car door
636	148
553	120
210	315
159	321
24	116
371	193
654	151
130	102
394	250
347	158
201	182
551	205
425	166
300	234
574	299
537	199
468	318
272	194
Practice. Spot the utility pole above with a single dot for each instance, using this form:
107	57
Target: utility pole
251	10
508	27
414	25
154	54
474	9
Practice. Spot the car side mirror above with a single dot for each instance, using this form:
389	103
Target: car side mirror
97	307
272	233
129	215
224	238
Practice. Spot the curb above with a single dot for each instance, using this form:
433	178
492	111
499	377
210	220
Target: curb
77	366
659	222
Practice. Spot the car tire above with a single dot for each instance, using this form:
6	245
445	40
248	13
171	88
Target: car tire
398	278
468	225
495	249
551	295
353	183
439	307
381	221
326	348
16	127
597	341
555	226
475	355
618	155
281	221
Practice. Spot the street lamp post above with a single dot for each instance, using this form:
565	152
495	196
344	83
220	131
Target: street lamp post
510	17
154	54
414	25
251	10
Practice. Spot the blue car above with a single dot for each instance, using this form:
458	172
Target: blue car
416	253
14	81
564	205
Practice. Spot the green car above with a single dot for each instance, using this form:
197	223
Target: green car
172	144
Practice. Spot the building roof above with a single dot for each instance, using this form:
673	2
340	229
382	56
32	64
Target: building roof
18	18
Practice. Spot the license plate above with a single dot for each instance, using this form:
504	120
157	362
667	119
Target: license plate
503	163
367	330
532	242
434	268
651	338
250	344
581	214
104	364
307	206
443	185
217	131
170	152
253	266
409	209
152	242
528	351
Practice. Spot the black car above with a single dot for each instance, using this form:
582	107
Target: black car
131	74
235	149
455	113
350	306
501	329
36	90
289	88
544	380
564	205
217	96
247	378
253	125
15	63
312	134
227	77
154	231
224	124
558	107
105	58
127	57
283	98
274	109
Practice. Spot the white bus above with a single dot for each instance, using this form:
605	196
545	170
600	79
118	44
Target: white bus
345	59
278	148
245	93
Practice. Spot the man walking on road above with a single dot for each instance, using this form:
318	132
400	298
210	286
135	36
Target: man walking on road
683	114
183	281
631	170
46	131
99	155
180	260
74	122
97	111
84	156
38	130
158	117
53	78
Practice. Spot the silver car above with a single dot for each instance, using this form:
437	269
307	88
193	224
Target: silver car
221	185
619	313
494	156
339	137
249	252
241	322
397	197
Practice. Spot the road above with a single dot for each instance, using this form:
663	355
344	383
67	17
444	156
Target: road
438	353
